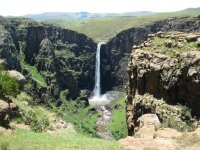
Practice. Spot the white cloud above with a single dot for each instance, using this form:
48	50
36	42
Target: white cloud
21	7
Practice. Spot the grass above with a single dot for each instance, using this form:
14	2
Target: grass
118	126
158	45
107	27
37	117
187	140
35	74
28	140
32	69
83	118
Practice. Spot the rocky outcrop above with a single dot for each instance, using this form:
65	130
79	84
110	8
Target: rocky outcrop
4	109
117	50
147	126
72	54
167	67
8	109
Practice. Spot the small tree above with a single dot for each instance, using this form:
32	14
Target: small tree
8	85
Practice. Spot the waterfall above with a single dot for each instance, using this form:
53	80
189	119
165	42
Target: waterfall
97	88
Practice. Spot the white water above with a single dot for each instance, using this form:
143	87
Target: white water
97	97
97	88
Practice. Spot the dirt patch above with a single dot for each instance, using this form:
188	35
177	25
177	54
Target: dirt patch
164	139
5	131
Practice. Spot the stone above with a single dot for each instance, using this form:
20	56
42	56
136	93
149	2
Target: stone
4	112
14	108
4	106
147	126
160	34
148	120
151	35
17	75
168	43
192	71
192	37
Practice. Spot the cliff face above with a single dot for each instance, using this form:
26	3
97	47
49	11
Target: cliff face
54	60
117	49
165	66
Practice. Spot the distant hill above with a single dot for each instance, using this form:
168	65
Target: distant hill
103	26
82	15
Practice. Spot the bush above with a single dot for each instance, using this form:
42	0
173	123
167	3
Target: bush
8	85
186	113
36	119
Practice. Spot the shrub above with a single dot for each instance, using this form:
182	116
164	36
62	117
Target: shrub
36	119
8	85
186	113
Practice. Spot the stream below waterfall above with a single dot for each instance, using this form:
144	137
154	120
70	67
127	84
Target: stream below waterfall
104	108
102	102
103	122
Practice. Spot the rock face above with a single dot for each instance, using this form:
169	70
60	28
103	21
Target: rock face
56	60
53	60
117	50
164	69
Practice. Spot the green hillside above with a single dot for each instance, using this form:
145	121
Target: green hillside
107	27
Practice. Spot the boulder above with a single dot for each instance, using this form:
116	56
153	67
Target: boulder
147	126
4	106
18	76
148	120
192	37
14	108
168	43
4	112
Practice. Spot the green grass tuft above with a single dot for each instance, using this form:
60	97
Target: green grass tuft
118	126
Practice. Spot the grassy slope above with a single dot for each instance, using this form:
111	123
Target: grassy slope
108	27
82	118
28	140
118	126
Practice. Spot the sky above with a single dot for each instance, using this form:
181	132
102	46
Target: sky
22	7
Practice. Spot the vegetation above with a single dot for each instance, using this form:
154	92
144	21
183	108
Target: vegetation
118	126
28	140
35	116
65	54
35	74
32	69
187	140
83	118
8	85
107	27
158	45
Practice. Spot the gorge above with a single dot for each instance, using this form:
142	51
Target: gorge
68	74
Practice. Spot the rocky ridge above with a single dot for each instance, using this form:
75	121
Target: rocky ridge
116	51
166	66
